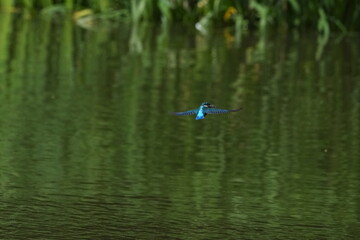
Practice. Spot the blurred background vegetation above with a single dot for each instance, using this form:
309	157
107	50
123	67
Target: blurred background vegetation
243	15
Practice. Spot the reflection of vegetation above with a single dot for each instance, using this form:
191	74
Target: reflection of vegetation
84	130
341	15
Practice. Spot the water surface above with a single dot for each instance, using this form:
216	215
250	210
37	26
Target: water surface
89	151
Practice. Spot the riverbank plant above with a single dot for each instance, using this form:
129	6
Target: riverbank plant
325	15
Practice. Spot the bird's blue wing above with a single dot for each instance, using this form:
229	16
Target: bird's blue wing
190	112
218	111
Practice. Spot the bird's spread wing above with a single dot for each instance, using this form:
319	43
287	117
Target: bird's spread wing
218	111
190	112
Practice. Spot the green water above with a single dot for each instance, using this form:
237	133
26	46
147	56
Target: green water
89	151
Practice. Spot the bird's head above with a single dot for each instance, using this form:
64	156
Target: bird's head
207	104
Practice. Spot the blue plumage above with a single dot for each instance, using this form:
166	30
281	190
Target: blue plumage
204	109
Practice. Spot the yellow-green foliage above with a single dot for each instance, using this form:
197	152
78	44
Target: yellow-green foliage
254	14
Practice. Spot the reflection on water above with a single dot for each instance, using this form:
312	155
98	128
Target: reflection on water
89	151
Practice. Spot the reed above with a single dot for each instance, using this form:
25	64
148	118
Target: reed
254	14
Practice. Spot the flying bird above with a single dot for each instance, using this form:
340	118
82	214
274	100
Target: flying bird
204	109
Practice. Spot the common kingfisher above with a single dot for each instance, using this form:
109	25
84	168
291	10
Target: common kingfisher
204	109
